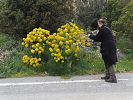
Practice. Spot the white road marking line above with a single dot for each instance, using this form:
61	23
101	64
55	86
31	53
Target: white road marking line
53	82
47	83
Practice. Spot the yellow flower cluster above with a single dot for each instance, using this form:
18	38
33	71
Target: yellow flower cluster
35	40
87	44
35	62
61	45
37	35
64	42
73	36
56	43
37	48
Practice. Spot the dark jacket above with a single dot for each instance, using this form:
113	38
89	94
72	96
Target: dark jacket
108	44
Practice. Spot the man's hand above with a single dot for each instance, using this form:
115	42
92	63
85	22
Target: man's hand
89	35
81	35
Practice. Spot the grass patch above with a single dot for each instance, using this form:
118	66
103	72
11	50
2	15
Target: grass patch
13	65
124	65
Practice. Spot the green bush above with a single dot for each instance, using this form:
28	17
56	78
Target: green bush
124	25
124	44
114	10
12	66
88	11
6	42
53	68
10	58
89	62
21	16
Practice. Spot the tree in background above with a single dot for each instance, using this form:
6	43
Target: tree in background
124	24
21	16
88	11
114	9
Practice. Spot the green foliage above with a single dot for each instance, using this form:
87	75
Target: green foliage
6	42
10	65
124	25
54	68
124	65
124	45
88	11
89	62
10	59
20	16
114	10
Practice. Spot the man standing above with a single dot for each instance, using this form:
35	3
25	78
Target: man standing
107	49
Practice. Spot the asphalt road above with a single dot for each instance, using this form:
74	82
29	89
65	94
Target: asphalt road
87	87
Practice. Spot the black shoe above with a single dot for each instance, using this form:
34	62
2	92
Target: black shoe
107	75
112	79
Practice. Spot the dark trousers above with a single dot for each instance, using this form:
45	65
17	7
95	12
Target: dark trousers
107	61
108	65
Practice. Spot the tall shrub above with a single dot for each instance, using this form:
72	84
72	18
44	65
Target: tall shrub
114	9
21	16
88	11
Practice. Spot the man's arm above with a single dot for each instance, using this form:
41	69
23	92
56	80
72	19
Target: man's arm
97	37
